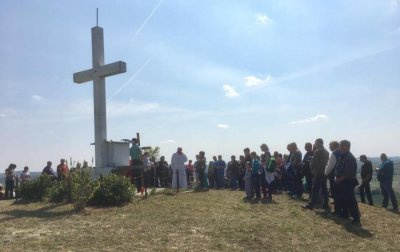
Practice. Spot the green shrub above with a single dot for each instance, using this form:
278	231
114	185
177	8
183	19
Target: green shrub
82	187
58	192
112	190
35	189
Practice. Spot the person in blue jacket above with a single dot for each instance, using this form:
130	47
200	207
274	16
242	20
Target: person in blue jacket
385	177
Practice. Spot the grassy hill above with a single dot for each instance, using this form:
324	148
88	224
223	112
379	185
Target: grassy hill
206	221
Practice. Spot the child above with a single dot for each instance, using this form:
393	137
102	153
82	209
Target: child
248	181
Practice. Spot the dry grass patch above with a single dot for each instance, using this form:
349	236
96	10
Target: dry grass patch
204	221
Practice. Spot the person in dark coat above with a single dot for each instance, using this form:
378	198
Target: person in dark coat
346	179
366	177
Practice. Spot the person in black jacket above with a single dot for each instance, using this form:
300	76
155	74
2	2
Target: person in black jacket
366	177
346	179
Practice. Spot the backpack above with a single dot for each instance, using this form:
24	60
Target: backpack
271	165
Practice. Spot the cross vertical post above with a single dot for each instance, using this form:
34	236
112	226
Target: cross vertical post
99	97
97	74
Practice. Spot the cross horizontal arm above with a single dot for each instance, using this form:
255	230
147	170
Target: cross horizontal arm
102	71
83	76
111	69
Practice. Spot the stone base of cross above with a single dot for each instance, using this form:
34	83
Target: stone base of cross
97	74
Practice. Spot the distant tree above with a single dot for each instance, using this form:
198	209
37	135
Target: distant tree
154	152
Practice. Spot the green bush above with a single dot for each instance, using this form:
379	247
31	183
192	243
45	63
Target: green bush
35	189
82	187
112	190
58	192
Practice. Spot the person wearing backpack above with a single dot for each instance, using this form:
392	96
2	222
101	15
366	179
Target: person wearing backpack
270	177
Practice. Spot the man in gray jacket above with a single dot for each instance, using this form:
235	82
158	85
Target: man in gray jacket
317	165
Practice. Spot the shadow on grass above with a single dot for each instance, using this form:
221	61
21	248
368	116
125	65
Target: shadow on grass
351	228
268	202
42	213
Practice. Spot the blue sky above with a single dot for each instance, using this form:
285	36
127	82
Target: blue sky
216	76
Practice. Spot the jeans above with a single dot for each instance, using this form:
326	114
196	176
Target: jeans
234	181
346	199
256	184
319	183
366	190
387	192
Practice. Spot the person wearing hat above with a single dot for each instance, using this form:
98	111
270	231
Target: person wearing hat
10	181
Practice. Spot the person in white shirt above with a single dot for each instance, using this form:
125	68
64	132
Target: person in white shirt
178	169
330	171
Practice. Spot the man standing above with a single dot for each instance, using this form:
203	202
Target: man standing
211	172
317	169
48	170
330	173
62	170
201	169
366	177
306	166
385	177
135	153
162	172
178	169
346	179
220	166
233	172
296	163
136	164
189	173
242	172
255	174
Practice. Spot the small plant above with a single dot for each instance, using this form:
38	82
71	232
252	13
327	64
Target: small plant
82	187
113	190
58	192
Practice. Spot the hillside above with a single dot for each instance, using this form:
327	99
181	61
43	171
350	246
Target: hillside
206	221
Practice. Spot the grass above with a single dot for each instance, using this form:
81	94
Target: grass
202	221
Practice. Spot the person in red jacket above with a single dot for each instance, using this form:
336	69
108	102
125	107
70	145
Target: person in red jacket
62	169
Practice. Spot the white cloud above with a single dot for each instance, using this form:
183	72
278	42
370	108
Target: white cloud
230	91
317	118
263	19
37	97
223	126
252	81
169	141
3	115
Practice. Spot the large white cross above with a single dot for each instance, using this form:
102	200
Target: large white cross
97	74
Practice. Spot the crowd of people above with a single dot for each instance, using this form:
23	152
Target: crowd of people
258	175
264	174
12	180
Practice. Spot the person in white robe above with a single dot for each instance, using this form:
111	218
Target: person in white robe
178	169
